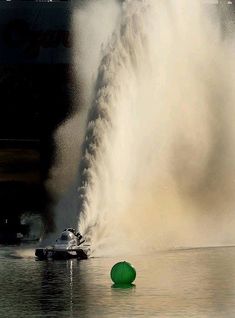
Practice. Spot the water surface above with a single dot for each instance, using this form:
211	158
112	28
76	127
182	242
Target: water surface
182	283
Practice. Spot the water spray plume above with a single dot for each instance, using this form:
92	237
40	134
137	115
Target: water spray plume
156	164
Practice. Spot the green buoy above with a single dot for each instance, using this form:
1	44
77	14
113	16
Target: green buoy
123	273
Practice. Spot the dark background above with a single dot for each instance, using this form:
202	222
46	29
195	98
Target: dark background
35	90
34	100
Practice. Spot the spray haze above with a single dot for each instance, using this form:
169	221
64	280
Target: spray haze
156	163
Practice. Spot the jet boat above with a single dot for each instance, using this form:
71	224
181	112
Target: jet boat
68	245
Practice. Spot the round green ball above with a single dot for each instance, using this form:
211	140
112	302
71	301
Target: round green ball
123	273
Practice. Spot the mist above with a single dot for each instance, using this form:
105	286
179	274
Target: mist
146	159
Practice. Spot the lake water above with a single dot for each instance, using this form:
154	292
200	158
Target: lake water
182	283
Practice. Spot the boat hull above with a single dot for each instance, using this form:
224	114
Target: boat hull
47	253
